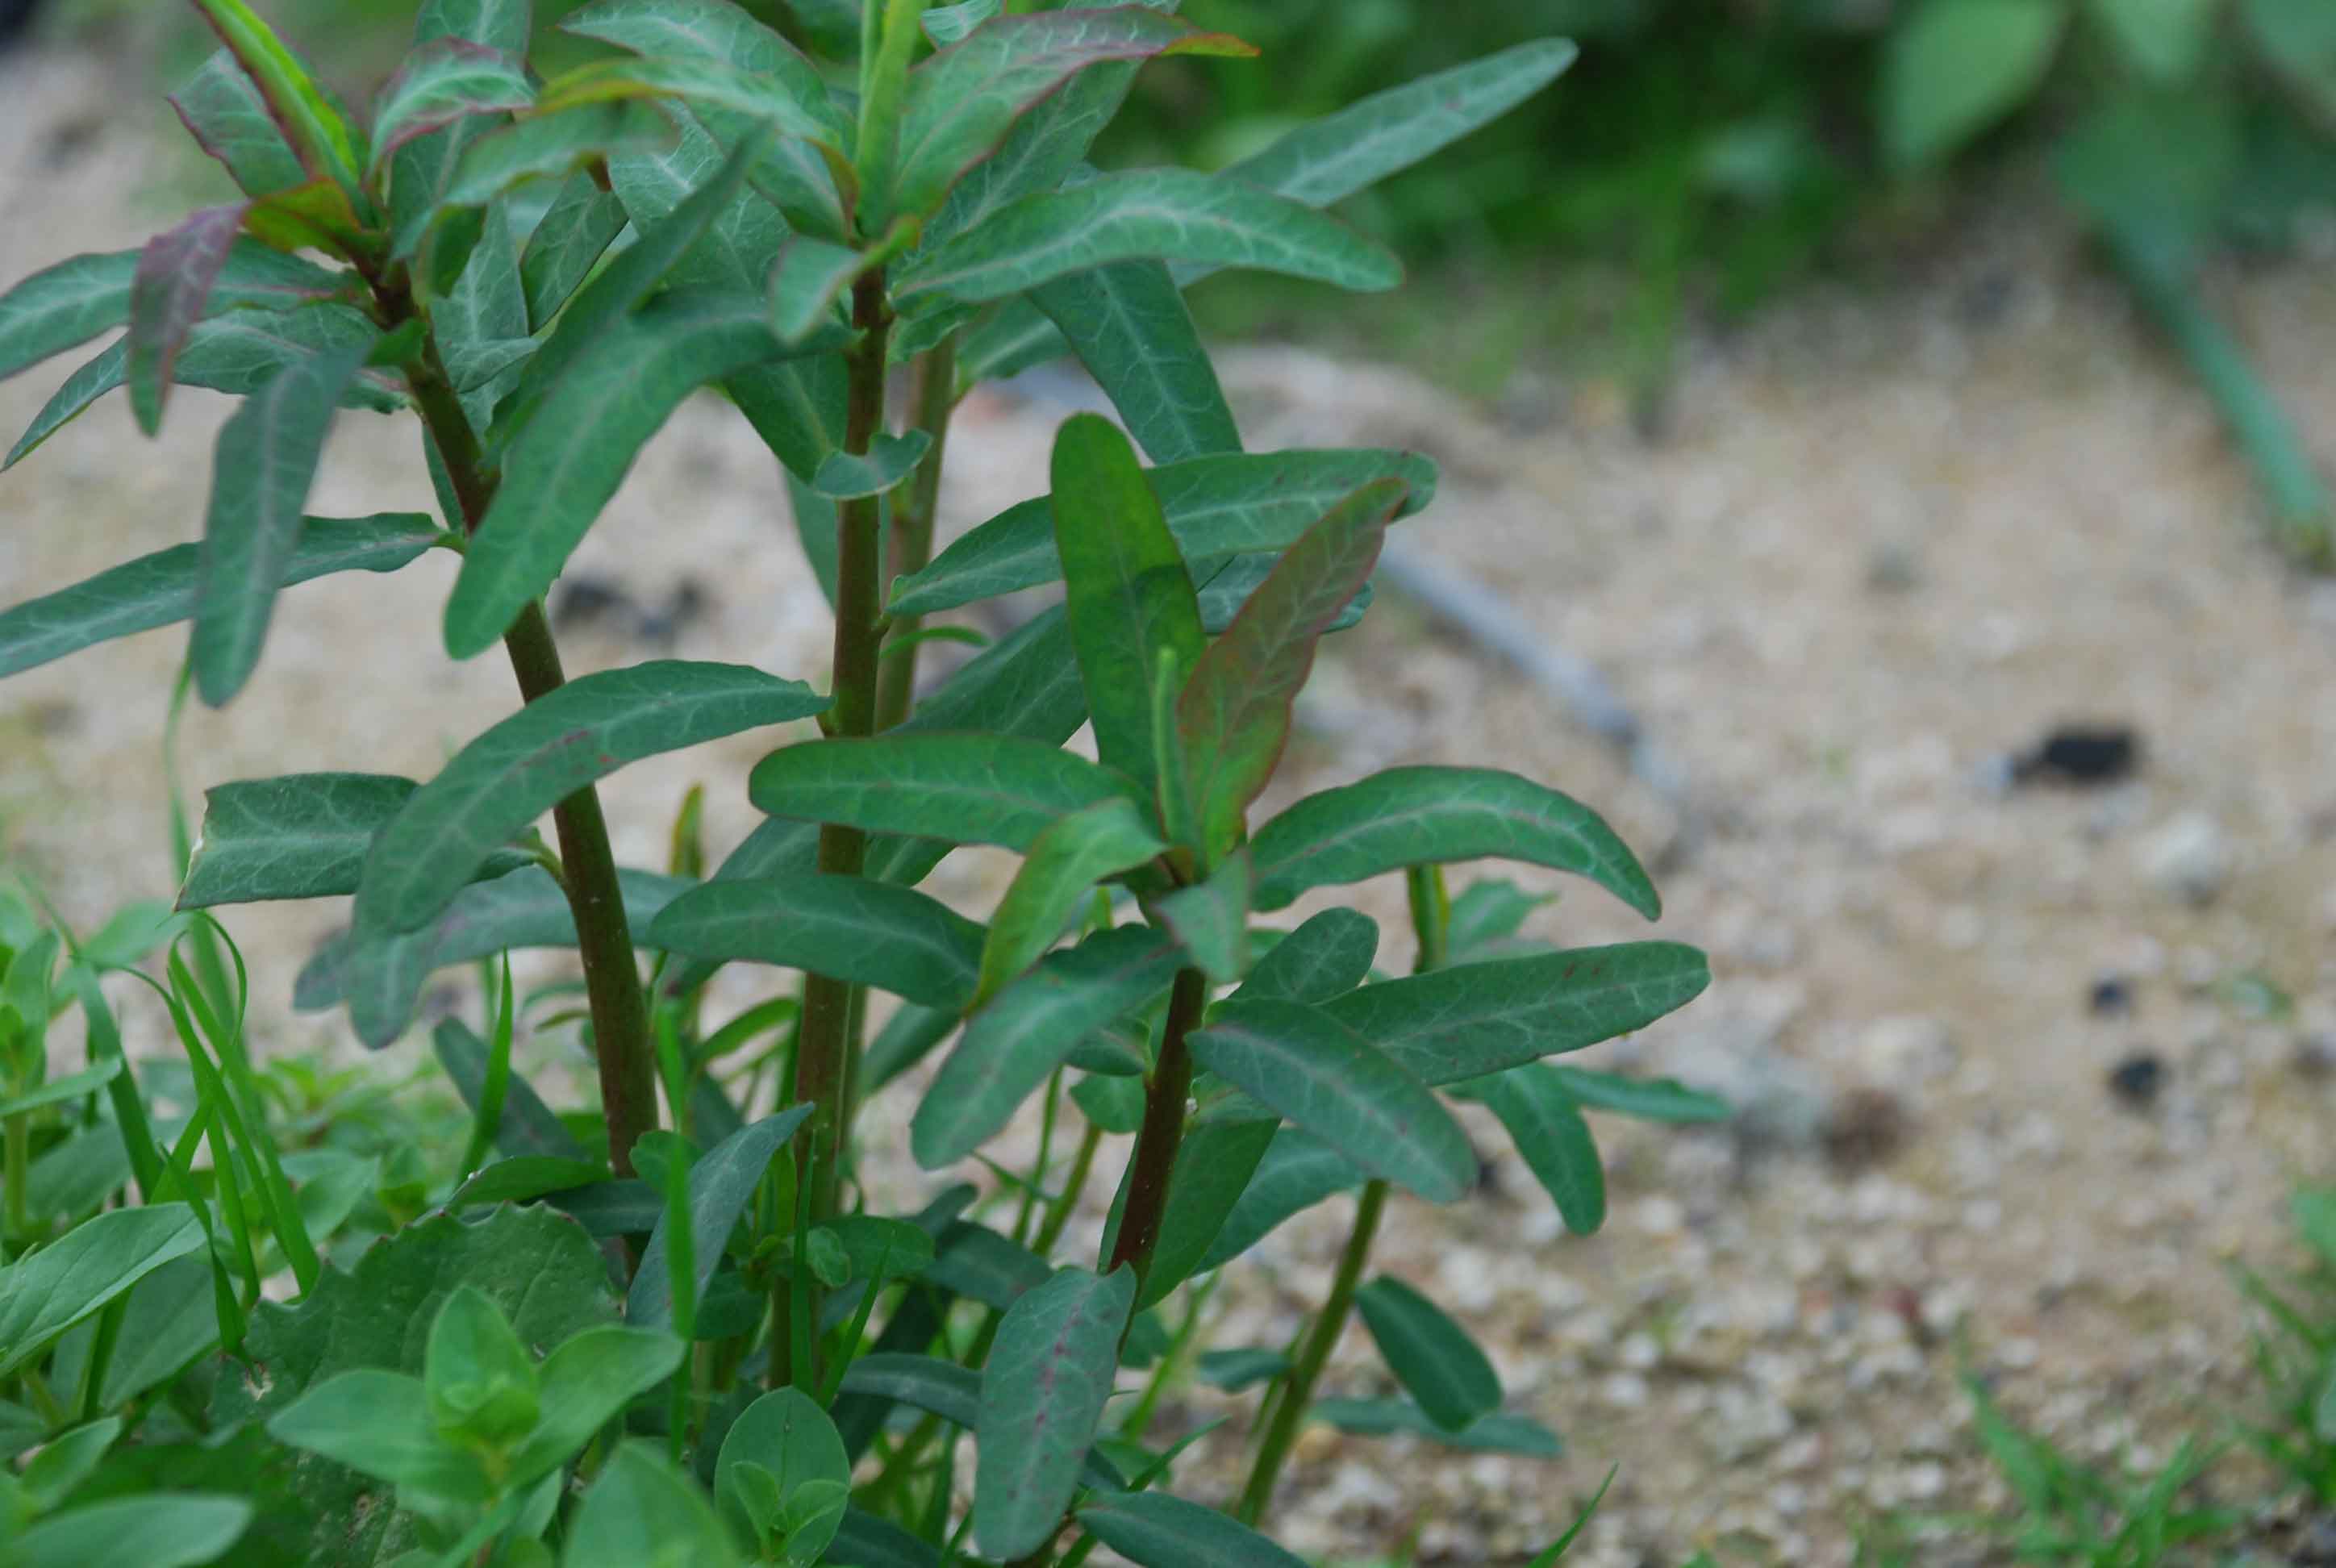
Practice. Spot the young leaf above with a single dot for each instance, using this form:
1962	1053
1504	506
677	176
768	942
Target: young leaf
526	1178
707	30
1327	957
1546	1125
1215	506
44	1294
1297	1172
160	589
169	293
1953	67
963	101
1131	599
866	932
1431	1356
478	1379
964	788
546	752
1234	711
299	836
642	1510
325	143
1499	1433
946	25
1129	326
545	146
697	82
266	460
441	82
1451	1024
889	459
64	305
792	1438
1333	1082
1042	1396
225	115
1210	920
1648	1099
1027	1030
1413	816
721	1184
587	1383
1154	1530
173	1529
1062	865
379	1423
1154	214
558	475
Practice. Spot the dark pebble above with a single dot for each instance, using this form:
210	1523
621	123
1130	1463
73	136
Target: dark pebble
2111	998
2137	1079
2080	754
583	599
1866	1128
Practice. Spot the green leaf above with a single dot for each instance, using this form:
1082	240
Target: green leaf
865	1541
707	30
949	1391
1500	1433
324	142
64	1462
584	220
2161	38
908	1038
1546	1125
73	1277
549	750
1154	1530
1951	68
587	1383
1215	506
172	1531
64	305
552	146
1431	1356
1327	957
891	459
699	82
963	101
504	24
977	1263
477	1377
810	276
1233	1370
1042	1391
169	293
1419	816
1648	1099
642	1512
1062	866
1335	1082
1027	1030
1112	1103
964	788
225	115
265	460
792	1438
1214	1165
1131	599
721	1184
299	836
1489	913
1129	326
881	1249
524	1178
72	1086
561	470
1452	1025
441	82
1210	920
1233	712
946	25
848	928
162	587
1297	1172
1155	214
1222	596
527	1131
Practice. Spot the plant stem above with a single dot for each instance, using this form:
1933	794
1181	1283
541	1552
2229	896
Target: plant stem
934	387
1163	1130
604	940
824	1049
19	1168
1058	1213
1328	1326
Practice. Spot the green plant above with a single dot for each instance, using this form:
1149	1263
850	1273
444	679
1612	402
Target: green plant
680	1307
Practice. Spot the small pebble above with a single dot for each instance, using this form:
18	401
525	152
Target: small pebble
2089	755
2314	1056
2111	997
2189	859
2137	1079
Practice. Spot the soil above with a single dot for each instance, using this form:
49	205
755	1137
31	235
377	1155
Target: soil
1890	537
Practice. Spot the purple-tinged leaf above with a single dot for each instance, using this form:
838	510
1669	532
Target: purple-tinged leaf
169	293
440	83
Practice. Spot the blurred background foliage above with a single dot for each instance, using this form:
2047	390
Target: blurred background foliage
1703	156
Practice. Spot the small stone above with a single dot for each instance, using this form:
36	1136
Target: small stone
1907	1050
1624	1391
2314	1056
2110	998
1866	1127
2188	859
2137	1079
2080	754
1661	1216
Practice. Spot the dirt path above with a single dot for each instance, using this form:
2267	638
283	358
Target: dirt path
1888	540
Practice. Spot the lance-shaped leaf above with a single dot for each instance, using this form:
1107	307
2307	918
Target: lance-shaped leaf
46	1292
1327	957
265	460
1210	920
1333	1082
1027	1030
299	836
527	1131
1129	326
1421	815
584	220
1152	214
699	82
1234	711
949	1391
225	115
160	589
1042	1391
1297	1172
707	30
1430	1355
1545	1123
963	788
889	460
325	143
975	1261
721	1184
1130	598
1063	863
1222	596
1215	506
64	305
169	293
810	276
550	749
441	82
502	25
1158	1530
1214	1165
1499	1433
1648	1099
560	473
847	928
946	25
551	145
963	101
1451	1024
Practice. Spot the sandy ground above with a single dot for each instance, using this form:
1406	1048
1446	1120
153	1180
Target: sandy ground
1888	538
